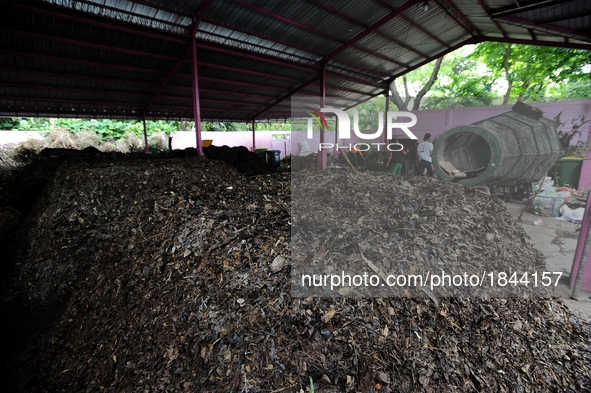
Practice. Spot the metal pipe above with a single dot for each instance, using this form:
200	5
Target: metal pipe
254	144
146	137
387	107
196	107
582	251
322	99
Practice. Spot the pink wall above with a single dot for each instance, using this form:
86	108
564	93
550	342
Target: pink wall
435	122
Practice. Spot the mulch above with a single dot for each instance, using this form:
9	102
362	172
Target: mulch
175	276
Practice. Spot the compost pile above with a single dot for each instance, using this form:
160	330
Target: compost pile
176	277
383	225
239	157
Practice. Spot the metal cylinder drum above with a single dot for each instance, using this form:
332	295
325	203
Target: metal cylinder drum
515	147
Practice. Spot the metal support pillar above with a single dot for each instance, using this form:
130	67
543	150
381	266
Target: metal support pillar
322	157
335	148
196	107
147	151
254	144
386	115
322	98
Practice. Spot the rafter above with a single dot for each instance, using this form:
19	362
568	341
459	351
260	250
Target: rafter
464	18
522	22
487	12
90	20
369	30
69	41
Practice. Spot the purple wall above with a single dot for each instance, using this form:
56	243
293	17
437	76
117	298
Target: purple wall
435	122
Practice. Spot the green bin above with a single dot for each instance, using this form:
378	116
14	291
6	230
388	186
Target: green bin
570	171
262	154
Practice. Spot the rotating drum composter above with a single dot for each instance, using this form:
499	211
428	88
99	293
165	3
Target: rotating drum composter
516	147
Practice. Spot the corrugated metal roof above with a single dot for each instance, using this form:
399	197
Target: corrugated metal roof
130	58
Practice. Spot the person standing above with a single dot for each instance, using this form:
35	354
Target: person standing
395	159
425	149
353	153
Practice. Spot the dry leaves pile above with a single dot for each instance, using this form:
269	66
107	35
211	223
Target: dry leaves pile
177	278
383	225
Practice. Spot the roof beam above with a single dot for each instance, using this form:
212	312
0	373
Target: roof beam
311	29
181	60
556	44
76	77
454	18
285	96
236	83
523	22
249	72
290	45
111	93
114	94
564	17
262	58
468	41
523	6
416	25
369	30
497	25
144	70
287	20
130	13
136	30
111	103
363	25
121	82
424	30
458	12
43	37
82	62
163	8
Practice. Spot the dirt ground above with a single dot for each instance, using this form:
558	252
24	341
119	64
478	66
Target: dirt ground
151	274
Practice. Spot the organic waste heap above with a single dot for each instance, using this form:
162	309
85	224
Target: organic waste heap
175	277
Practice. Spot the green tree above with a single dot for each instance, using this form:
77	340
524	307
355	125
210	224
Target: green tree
532	72
410	99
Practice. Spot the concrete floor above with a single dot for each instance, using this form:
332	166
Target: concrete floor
557	240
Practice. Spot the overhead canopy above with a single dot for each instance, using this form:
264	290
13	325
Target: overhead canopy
130	59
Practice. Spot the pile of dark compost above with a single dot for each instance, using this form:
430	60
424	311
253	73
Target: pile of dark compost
174	276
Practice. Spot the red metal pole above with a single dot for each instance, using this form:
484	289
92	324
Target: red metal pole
196	107
322	97
146	136
322	157
386	115
254	144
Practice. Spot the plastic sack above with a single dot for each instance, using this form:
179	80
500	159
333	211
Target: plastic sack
574	216
304	149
